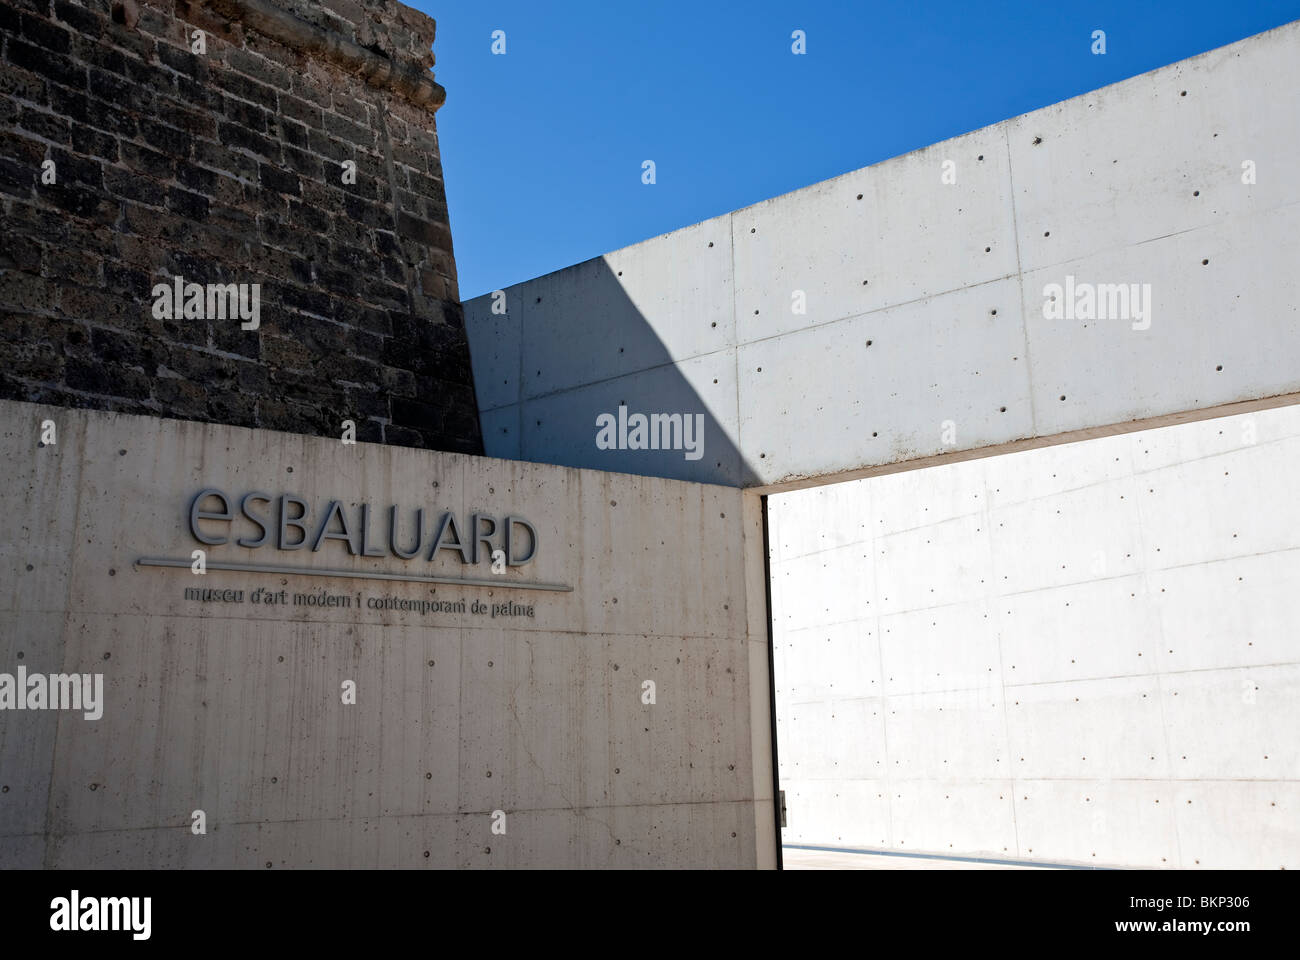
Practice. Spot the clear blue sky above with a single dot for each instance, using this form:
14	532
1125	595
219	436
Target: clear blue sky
542	147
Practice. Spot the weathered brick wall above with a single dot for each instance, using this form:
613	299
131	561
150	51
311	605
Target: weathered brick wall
227	167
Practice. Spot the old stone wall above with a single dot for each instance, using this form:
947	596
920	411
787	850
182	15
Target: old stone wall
144	141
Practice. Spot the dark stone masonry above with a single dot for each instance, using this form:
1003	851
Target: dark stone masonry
230	166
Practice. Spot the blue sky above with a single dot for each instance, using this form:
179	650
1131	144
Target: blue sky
542	148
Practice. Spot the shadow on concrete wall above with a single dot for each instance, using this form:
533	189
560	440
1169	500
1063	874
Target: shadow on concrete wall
572	346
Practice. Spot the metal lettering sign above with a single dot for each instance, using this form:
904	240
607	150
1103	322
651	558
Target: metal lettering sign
285	522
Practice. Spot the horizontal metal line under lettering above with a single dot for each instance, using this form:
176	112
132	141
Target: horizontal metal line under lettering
354	574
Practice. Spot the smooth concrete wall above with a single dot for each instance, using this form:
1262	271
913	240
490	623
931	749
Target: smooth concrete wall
1085	653
236	709
924	333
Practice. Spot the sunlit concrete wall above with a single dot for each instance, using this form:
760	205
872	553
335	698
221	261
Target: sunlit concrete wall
924	332
236	709
1086	653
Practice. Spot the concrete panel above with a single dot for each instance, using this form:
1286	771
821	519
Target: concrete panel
619	837
817	661
1141	182
917	655
1098	650
1067	730
587	325
1154	449
1099	822
22	853
235	708
853	739
498	347
853	858
1264	817
36	519
28	737
1222	724
907	501
1223	315
843	587
887	384
216	689
974	816
1187	129
937	564
387	842
859	809
1074	466
1050	636
876	238
1202	609
672	279
501	427
1054	541
700	387
1190	511
945	736
802	526
801	731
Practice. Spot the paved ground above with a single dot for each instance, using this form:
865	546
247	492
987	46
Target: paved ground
845	858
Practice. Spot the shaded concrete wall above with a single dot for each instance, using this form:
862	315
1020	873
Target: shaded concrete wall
1085	653
236	709
924	333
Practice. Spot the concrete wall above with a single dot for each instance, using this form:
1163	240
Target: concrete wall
925	299
236	709
1086	653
